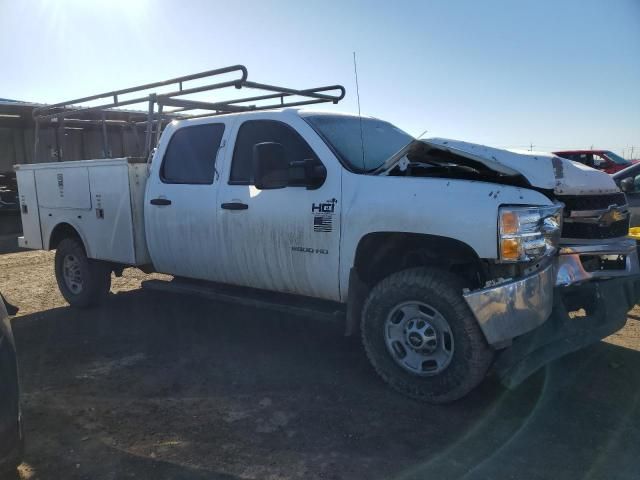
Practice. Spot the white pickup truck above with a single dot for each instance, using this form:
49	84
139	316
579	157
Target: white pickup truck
452	259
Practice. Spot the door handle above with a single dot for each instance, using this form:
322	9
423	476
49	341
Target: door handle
160	201
234	206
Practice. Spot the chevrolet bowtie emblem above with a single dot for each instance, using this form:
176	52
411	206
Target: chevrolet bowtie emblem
612	215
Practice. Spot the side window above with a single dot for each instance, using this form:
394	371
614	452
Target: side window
599	161
585	158
258	131
191	154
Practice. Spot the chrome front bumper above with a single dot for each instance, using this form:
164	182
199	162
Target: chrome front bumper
571	270
516	307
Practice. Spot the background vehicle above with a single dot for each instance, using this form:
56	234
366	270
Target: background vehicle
629	182
445	254
604	160
11	440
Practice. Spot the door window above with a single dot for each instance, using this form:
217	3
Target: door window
585	158
599	161
191	154
258	131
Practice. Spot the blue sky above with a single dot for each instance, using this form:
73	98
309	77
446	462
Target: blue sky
555	73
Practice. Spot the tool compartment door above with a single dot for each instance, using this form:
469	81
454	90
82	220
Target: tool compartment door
64	187
29	211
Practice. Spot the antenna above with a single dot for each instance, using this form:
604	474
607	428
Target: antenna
355	70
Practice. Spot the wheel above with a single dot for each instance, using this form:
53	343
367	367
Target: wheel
82	281
421	337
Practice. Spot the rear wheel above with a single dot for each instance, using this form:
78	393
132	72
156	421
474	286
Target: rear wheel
422	338
82	281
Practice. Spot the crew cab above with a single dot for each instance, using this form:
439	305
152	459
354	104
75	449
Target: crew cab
449	258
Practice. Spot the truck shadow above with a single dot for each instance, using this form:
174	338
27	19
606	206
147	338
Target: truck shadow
179	386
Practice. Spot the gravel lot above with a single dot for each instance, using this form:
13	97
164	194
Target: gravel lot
166	387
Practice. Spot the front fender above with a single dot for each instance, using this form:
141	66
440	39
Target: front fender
462	210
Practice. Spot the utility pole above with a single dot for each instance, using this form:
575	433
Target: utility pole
531	146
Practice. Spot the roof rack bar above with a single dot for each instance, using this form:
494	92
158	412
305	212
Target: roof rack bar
155	120
307	93
179	80
199	105
256	109
302	93
232	105
76	111
132	101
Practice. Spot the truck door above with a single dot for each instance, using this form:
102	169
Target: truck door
285	239
180	202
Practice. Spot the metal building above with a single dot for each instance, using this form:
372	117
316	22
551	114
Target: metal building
77	139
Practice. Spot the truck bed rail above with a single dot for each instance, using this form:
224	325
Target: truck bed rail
156	116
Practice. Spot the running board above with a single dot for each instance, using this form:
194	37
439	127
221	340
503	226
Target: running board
251	297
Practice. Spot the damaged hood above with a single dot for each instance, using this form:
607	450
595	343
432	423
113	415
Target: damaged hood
542	170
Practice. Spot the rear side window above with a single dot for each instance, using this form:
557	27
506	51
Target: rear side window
258	131
191	154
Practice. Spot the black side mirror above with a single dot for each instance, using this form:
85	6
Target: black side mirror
270	166
310	173
627	185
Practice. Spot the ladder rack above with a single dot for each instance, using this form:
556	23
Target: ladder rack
72	111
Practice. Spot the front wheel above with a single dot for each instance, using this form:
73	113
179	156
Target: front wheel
82	281
421	337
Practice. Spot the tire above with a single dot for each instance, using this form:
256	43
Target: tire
425	307
87	282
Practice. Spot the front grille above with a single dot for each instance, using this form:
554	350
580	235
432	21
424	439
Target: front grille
591	230
591	202
573	227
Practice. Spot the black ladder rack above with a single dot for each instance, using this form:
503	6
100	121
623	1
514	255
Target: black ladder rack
72	111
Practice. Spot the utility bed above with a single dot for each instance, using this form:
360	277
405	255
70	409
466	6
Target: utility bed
102	198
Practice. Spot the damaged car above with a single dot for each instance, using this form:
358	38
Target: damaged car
450	259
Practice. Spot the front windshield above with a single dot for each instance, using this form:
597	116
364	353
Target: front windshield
362	153
616	158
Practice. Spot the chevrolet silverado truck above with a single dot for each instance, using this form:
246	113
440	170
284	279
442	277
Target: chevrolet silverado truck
452	260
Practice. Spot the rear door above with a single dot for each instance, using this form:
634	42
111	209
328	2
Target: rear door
180	201
285	239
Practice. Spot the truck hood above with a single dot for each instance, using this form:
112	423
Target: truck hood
540	169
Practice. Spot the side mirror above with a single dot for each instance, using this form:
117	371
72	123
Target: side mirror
627	185
310	173
270	166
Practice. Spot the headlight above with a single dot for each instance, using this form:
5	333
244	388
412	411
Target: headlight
528	233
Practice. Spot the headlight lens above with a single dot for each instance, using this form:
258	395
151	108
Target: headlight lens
528	233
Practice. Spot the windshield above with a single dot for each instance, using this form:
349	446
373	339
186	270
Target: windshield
616	158
364	153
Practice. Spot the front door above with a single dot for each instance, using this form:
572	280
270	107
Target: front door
180	202
285	239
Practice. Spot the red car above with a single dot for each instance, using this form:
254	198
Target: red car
604	160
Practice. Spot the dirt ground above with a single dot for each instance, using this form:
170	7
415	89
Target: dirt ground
165	387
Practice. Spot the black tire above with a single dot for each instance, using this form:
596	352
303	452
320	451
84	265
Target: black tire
471	357
94	275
